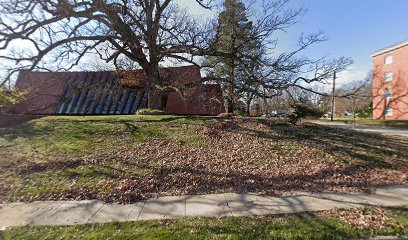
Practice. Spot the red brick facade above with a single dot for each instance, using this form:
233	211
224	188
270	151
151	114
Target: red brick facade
390	82
100	93
44	90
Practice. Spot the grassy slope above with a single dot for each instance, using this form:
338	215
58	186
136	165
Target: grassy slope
62	139
403	124
296	226
54	155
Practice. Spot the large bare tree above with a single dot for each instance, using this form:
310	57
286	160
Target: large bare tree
250	32
60	33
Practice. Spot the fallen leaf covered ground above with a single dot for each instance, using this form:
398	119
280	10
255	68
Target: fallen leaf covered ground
227	155
362	218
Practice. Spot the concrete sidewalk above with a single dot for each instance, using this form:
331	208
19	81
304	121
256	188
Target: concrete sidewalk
215	205
363	128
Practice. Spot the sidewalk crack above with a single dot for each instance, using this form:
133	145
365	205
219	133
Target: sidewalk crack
93	215
226	201
141	210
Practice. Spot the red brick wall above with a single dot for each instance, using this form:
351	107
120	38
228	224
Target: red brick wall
196	101
399	84
43	92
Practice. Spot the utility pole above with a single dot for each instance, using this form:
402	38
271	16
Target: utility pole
333	98
354	110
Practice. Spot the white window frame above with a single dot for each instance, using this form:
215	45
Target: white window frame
388	111
388	59
388	76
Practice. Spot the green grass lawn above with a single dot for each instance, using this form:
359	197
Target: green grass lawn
403	124
350	224
57	142
129	158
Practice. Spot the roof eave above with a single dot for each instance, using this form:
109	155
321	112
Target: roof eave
389	49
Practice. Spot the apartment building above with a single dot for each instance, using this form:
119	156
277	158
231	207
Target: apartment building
390	82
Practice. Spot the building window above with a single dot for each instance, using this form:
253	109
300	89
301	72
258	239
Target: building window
388	93
388	76
388	59
388	111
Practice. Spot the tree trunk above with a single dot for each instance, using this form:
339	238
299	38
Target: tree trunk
154	95
154	99
230	105
231	94
248	103
248	108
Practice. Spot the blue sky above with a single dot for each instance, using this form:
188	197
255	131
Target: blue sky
356	28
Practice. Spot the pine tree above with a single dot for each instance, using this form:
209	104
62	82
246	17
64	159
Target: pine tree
233	37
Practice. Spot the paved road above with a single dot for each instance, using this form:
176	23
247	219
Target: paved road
215	205
373	129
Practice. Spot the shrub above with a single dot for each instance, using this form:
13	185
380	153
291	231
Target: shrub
366	111
293	118
304	111
147	111
8	98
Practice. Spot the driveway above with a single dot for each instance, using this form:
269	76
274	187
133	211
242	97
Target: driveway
389	131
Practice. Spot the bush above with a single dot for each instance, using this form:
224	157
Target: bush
8	98
147	111
293	118
366	111
304	111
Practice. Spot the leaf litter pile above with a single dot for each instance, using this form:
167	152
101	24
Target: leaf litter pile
241	156
362	218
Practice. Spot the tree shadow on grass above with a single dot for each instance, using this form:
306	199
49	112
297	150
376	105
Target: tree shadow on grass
366	147
204	181
193	180
14	120
27	130
113	166
119	119
304	225
30	130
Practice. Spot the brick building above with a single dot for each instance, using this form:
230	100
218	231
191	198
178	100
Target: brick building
107	92
390	82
